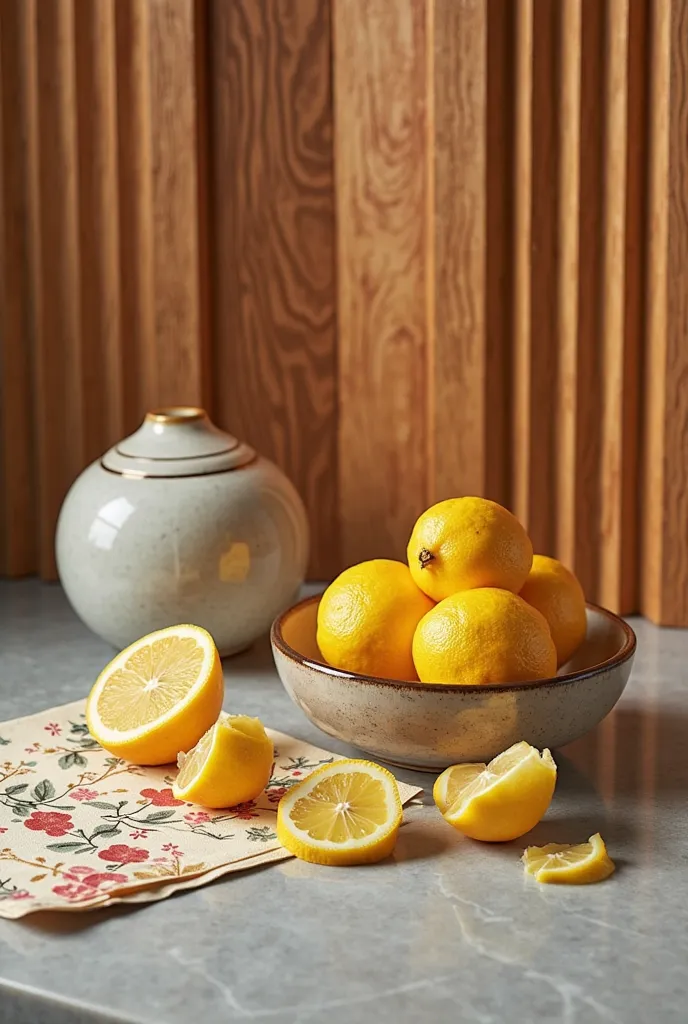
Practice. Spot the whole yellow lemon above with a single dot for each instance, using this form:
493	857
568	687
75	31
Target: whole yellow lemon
483	636
556	593
464	543
367	618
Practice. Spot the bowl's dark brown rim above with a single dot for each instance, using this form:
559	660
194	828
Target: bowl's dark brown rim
627	651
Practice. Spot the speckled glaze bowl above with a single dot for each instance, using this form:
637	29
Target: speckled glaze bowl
428	726
181	522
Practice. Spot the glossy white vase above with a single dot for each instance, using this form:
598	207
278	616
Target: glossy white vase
178	523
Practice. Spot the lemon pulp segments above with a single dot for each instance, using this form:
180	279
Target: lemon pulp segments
345	806
348	812
150	682
453	781
564	863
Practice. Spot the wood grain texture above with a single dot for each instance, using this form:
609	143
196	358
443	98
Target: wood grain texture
460	380
96	111
381	126
665	480
583	509
135	191
536	197
59	354
273	213
613	566
180	361
569	383
18	214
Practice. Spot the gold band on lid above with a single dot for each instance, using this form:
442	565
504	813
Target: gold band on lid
176	414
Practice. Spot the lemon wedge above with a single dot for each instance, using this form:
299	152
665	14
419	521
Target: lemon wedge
230	764
158	696
565	864
504	799
348	812
452	781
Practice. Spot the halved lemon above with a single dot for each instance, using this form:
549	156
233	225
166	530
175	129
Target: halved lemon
566	864
158	696
348	812
506	798
229	765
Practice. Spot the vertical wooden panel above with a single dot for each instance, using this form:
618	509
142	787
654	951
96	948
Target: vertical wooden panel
381	71
457	283
583	508
177	288
58	361
612	566
273	211
665	482
523	92
18	214
569	380
99	225
135	180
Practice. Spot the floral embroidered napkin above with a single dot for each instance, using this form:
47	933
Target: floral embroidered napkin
81	829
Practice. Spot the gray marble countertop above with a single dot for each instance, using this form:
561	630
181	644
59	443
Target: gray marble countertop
446	930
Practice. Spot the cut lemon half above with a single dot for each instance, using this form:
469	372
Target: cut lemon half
572	865
506	798
348	812
229	765
158	696
453	781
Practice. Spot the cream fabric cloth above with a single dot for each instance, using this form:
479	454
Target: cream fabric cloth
82	829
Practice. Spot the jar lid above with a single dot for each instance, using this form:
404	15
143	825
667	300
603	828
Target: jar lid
179	441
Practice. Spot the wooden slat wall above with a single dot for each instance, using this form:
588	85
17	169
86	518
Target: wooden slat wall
407	251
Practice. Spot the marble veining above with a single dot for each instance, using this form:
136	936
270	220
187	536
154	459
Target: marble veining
445	931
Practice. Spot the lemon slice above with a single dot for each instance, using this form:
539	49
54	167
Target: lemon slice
452	781
566	864
158	696
230	764
348	812
507	798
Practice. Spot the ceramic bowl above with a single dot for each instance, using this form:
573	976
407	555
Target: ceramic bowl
428	726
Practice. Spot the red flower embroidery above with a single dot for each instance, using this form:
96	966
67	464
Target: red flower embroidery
53	728
197	817
83	883
246	811
275	795
161	797
121	854
52	822
84	794
171	848
139	833
2	830
21	894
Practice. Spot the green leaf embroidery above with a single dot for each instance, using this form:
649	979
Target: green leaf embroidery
67	847
79	727
112	761
72	760
260	835
31	764
105	830
4	742
157	816
23	810
62	807
43	791
11	790
101	805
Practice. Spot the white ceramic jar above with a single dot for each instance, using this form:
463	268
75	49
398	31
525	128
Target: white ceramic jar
178	523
